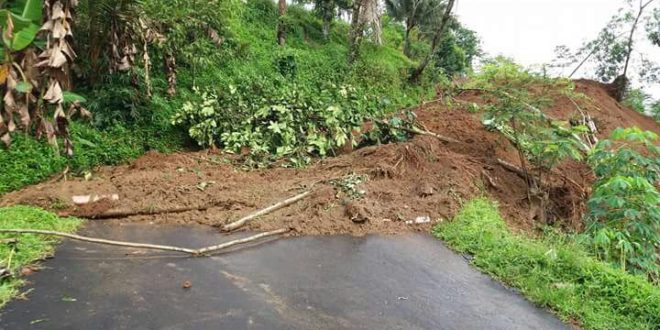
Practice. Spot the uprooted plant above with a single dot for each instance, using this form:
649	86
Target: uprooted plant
291	121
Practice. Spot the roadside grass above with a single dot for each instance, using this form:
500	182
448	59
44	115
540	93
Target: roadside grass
29	248
553	272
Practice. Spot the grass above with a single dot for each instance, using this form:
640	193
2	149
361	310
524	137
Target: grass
29	248
553	272
30	161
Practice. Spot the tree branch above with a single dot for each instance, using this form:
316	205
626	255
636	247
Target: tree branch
194	252
241	222
100	240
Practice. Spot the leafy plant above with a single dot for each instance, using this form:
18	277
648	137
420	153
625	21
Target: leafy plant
515	111
288	121
636	99
35	71
624	221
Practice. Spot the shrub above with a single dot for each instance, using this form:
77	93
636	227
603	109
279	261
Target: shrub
287	121
624	221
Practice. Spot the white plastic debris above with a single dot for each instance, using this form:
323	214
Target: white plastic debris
86	199
419	220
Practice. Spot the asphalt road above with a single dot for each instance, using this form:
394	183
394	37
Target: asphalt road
340	282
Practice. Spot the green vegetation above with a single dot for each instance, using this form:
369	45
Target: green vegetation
30	161
515	97
296	101
553	272
28	249
624	220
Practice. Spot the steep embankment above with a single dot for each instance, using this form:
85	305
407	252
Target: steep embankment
408	181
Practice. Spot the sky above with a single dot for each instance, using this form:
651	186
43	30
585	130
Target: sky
529	30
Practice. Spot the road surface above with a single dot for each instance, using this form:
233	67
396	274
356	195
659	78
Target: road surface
340	282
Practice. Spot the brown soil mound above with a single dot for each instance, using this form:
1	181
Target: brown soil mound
408	182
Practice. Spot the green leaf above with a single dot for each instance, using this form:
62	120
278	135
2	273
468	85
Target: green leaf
24	87
70	97
24	30
32	11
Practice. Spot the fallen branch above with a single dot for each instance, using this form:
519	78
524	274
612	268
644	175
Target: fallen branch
194	252
517	170
222	246
489	179
512	168
100	240
418	131
241	222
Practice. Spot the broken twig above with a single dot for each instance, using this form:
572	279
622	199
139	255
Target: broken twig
194	252
241	222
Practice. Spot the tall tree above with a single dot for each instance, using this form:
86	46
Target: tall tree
457	51
613	52
356	31
412	13
640	12
281	27
365	13
439	32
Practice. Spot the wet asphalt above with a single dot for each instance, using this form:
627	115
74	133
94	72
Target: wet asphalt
331	282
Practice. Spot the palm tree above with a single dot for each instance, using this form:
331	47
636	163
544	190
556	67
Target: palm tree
438	33
413	13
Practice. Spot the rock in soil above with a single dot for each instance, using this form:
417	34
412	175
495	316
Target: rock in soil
357	213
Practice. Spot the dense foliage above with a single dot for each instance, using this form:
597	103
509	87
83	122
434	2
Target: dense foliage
625	204
296	101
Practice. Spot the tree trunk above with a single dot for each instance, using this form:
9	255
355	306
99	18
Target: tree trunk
621	82
326	28
281	28
439	33
356	32
406	41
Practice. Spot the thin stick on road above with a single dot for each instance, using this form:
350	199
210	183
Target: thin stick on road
194	252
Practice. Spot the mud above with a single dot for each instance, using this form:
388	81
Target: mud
422	177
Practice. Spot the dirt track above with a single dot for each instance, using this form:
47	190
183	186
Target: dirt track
419	178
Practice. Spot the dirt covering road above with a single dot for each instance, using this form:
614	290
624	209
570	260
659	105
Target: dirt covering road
422	180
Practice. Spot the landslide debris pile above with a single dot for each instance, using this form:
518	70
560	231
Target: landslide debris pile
390	188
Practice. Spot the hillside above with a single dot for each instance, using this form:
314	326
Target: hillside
403	181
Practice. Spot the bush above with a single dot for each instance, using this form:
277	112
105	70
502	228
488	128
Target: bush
285	121
624	221
29	161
